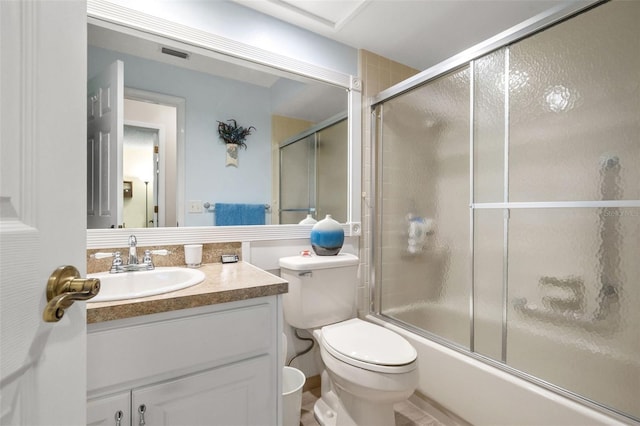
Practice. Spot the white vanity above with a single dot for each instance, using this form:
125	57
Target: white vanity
204	355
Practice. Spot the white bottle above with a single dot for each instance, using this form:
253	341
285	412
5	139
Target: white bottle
309	220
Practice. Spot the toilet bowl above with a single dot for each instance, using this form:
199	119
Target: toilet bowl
368	368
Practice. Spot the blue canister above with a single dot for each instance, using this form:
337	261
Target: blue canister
327	237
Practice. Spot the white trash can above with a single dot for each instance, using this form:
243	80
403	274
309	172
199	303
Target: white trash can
292	382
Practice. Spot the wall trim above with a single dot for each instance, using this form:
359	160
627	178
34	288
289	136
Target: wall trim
106	11
112	238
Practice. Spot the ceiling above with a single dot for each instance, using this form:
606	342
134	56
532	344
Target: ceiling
417	33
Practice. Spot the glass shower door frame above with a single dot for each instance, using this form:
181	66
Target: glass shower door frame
506	206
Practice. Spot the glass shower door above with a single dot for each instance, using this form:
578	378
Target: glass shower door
423	172
297	180
541	277
332	171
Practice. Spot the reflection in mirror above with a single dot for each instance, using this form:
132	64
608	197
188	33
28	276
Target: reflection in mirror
313	173
140	168
156	114
279	105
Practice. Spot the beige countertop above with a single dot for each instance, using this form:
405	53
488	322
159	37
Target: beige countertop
223	283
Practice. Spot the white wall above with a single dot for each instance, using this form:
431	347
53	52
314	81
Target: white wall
208	99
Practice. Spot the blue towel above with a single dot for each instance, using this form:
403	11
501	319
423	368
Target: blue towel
239	214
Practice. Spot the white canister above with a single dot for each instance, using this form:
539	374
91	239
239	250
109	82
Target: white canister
193	255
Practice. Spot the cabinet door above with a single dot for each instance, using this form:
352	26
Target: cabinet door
244	393
114	410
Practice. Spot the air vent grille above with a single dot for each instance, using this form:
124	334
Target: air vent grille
176	53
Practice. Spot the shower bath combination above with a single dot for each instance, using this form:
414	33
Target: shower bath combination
532	265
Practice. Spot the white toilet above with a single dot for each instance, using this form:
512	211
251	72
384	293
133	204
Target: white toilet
368	368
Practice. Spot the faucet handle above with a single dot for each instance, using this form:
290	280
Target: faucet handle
101	255
116	265
148	260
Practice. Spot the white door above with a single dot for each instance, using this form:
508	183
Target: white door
105	134
42	209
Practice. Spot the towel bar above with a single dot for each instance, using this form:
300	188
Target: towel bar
211	207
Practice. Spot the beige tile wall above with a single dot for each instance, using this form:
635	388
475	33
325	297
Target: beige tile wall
378	73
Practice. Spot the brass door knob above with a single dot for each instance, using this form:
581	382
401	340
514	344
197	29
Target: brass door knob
65	287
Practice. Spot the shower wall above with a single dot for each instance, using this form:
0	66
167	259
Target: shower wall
508	207
377	73
424	175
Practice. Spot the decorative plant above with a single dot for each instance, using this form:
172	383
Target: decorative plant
232	133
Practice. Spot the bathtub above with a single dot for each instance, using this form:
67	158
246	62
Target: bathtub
486	395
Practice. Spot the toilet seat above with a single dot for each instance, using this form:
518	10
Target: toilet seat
369	346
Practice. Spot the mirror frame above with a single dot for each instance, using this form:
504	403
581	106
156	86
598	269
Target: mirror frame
129	21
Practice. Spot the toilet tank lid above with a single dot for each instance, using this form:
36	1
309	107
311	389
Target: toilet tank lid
313	262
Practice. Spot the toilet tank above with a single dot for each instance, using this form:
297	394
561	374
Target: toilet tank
322	289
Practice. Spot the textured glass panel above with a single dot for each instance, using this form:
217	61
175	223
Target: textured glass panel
424	242
574	292
488	273
489	127
297	180
578	109
332	155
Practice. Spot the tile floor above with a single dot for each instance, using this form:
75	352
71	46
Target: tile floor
407	414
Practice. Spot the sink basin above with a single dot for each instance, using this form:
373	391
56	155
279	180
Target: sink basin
130	285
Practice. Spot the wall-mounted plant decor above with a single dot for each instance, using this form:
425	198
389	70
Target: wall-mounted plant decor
234	137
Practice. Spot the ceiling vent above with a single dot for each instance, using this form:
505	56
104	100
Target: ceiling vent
176	53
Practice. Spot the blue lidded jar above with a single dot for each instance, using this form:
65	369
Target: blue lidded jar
327	237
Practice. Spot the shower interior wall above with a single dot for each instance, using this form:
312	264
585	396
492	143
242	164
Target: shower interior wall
571	128
377	73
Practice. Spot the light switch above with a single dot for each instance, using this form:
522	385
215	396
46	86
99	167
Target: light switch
195	206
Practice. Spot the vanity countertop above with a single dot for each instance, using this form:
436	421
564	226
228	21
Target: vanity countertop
223	283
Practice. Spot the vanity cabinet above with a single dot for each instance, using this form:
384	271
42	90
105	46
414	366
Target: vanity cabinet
110	410
213	365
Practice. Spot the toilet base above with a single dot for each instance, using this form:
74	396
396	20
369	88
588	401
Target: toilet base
324	415
329	410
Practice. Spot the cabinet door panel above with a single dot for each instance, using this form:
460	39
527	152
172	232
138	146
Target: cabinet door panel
238	394
106	411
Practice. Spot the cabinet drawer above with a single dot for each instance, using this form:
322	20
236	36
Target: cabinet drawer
173	346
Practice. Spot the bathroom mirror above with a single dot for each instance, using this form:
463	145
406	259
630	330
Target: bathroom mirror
206	88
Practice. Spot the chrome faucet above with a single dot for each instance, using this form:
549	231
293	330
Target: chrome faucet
118	265
133	253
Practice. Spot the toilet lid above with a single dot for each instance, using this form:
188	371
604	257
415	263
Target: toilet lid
369	346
